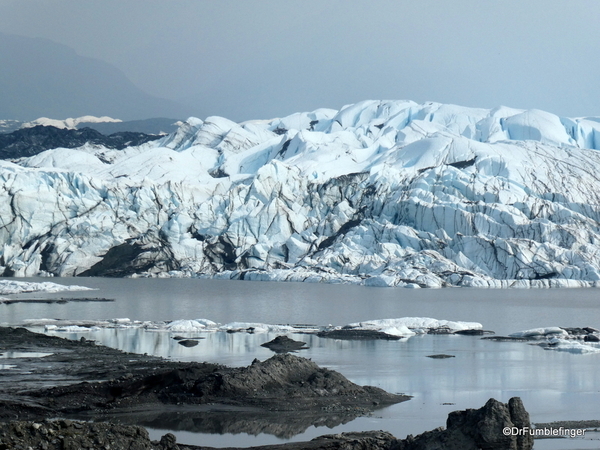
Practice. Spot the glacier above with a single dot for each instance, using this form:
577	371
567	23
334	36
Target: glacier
379	193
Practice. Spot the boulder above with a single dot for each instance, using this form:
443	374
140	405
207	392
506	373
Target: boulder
476	429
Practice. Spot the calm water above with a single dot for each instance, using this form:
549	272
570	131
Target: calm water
553	385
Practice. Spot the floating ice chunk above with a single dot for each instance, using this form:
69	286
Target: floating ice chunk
540	333
191	325
414	325
256	327
121	320
572	346
70	329
19	287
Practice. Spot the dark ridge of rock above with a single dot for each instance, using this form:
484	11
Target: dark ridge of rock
132	257
283	344
27	142
473	332
352	334
475	429
281	383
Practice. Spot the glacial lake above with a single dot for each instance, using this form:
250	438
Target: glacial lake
553	385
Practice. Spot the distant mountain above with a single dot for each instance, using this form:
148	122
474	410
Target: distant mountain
69	123
39	78
8	126
31	141
158	125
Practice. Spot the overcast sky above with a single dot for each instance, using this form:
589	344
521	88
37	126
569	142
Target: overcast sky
248	59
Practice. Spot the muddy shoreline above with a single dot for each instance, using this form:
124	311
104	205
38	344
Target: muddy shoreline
49	384
48	377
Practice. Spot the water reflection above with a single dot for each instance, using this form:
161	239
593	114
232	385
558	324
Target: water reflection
283	425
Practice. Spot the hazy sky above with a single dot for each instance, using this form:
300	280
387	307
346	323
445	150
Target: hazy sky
259	59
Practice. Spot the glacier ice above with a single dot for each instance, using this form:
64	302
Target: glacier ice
381	193
8	287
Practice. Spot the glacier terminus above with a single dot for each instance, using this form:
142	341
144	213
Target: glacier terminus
380	193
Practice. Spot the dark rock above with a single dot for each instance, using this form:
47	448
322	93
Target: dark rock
169	442
31	141
133	257
473	332
475	429
283	344
283	382
188	342
352	334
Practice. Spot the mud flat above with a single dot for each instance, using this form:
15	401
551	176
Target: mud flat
49	382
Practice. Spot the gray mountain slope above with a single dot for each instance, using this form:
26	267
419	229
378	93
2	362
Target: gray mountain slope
39	78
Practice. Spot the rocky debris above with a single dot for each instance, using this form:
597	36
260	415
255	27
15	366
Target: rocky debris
475	429
31	141
440	356
283	344
75	435
369	440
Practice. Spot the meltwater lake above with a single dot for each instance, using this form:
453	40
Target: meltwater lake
554	385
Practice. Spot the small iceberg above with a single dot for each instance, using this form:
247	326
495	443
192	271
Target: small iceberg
20	287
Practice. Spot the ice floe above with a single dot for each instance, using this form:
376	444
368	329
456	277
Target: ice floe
572	346
401	327
8	287
541	333
579	340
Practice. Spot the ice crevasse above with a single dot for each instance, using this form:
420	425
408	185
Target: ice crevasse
381	193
